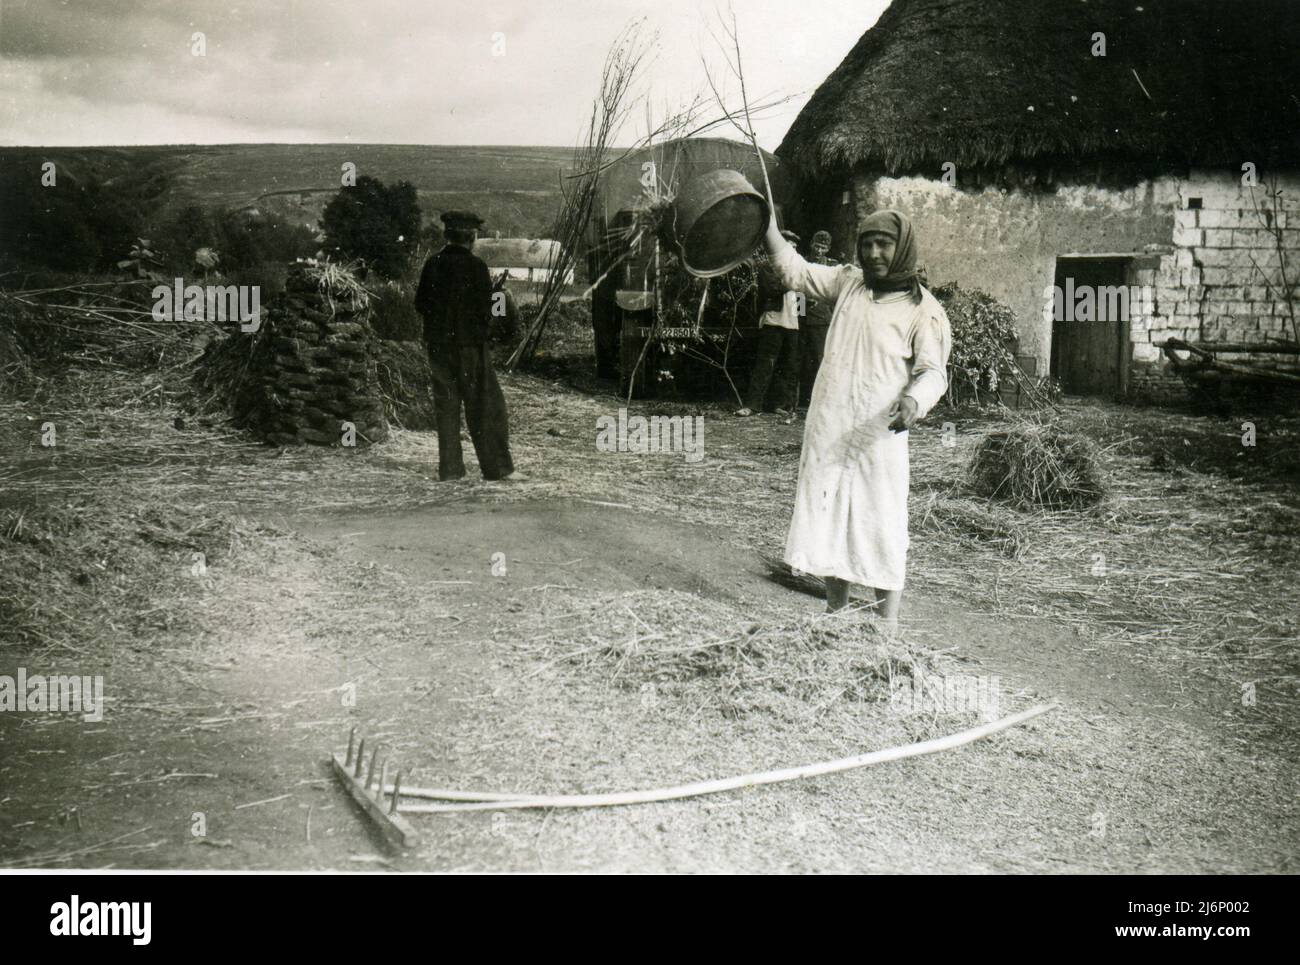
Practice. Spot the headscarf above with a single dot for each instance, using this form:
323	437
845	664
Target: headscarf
902	274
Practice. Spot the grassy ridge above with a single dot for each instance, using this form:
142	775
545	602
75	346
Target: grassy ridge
515	188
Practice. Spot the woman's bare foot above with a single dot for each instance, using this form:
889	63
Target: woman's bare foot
837	594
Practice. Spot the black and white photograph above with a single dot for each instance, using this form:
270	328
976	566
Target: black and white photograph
581	437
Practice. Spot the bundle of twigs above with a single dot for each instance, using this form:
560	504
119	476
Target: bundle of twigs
611	108
95	322
608	113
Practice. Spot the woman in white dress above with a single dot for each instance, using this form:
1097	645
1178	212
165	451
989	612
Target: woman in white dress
884	368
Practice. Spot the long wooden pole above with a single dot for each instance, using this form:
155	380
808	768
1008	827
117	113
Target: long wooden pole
498	802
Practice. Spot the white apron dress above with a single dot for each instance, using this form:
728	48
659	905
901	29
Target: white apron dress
850	511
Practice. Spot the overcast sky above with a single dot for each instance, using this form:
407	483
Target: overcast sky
394	71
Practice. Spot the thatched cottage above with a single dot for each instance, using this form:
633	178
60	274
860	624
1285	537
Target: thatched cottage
522	259
1049	149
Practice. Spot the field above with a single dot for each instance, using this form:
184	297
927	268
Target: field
516	189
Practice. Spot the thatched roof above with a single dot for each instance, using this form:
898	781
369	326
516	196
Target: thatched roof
1203	82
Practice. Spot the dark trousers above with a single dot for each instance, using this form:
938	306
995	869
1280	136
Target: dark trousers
463	376
776	369
606	332
813	338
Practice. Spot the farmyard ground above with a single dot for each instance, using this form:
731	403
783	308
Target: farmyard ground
332	574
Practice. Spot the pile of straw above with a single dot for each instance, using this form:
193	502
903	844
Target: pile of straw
73	568
709	652
405	383
976	520
94	323
1039	465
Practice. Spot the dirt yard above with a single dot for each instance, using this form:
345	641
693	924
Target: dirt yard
529	637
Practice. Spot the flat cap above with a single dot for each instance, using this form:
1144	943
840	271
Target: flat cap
461	219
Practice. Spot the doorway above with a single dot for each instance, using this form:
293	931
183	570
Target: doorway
1090	325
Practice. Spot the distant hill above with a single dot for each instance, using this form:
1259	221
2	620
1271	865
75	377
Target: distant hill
515	189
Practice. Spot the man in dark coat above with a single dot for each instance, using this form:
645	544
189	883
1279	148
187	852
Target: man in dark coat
456	300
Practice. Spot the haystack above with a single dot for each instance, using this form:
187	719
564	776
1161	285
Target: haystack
406	384
1039	466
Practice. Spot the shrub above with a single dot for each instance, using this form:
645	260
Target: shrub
983	329
392	312
245	240
373	222
269	277
77	225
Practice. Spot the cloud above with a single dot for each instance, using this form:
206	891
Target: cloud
397	71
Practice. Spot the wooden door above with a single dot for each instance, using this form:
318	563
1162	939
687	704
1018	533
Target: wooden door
1088	353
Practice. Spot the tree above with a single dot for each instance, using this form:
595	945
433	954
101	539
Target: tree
378	224
79	224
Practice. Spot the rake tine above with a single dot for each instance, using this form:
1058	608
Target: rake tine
397	792
361	752
352	738
374	760
383	781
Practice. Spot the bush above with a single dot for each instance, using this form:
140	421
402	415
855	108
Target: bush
983	329
392	312
269	277
568	330
375	223
245	240
74	225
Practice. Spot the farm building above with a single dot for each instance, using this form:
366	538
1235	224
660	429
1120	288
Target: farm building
1127	148
522	259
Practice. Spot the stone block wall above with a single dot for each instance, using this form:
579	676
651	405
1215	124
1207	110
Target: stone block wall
314	365
1202	244
1223	279
1005	241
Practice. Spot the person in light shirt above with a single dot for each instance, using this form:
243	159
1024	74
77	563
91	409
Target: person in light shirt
776	367
884	368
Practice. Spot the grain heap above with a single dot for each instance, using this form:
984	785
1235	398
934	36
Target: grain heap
314	365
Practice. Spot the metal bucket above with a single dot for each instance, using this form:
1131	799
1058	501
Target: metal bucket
718	219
